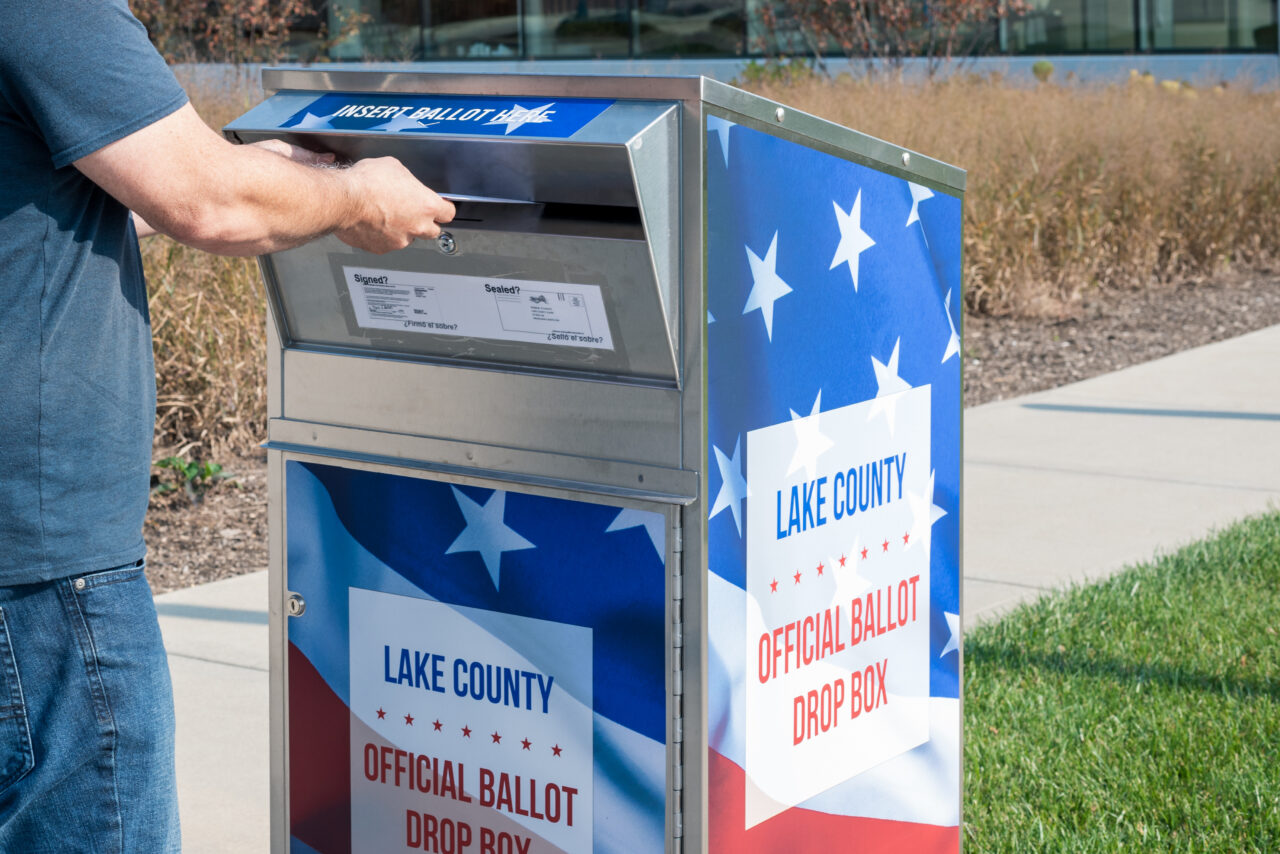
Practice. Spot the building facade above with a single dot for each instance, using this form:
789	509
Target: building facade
427	30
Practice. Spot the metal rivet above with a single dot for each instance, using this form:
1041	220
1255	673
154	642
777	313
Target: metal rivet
446	243
906	158
779	114
297	606
79	583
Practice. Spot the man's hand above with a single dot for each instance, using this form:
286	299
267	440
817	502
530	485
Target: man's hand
394	208
193	185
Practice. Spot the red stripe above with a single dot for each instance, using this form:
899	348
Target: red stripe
800	831
319	760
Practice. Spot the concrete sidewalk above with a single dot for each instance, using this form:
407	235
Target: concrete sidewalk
216	635
1072	484
1062	486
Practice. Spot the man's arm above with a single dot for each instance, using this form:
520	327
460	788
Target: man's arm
142	227
277	146
185	181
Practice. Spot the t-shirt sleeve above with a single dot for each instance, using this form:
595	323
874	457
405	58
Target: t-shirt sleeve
82	73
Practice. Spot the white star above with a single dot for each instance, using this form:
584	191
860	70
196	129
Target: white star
889	386
400	123
810	443
733	488
312	121
849	582
953	643
486	532
518	116
953	343
720	126
653	523
923	514
918	195
853	240
766	285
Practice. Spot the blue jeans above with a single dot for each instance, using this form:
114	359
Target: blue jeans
86	718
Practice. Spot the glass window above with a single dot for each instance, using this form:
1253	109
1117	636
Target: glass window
759	39
1188	23
587	28
402	30
471	29
1256	25
691	27
306	42
1213	24
1073	26
793	35
376	29
1109	25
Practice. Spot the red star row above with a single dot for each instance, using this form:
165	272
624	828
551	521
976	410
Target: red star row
496	738
884	547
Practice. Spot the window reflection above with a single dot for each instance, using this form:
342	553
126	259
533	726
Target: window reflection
377	29
1070	26
587	28
1084	26
471	29
400	30
1212	24
691	27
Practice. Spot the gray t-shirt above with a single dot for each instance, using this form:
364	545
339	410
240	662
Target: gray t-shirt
77	384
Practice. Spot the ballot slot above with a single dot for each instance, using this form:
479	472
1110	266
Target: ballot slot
568	219
559	260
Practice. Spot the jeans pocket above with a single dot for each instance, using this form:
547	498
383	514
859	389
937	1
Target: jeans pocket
16	756
128	653
106	577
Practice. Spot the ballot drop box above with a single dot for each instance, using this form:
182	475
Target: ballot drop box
625	516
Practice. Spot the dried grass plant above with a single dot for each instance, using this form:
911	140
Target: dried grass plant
1073	188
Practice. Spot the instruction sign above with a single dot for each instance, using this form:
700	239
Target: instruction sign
479	307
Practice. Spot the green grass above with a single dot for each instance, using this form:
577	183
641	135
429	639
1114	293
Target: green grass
1139	713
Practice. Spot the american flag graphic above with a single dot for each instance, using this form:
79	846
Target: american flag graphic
481	670
833	434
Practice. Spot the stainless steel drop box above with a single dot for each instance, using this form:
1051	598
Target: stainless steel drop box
568	506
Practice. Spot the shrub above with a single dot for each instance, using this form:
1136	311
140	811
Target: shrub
244	31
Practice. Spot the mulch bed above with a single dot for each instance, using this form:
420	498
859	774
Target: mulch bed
224	533
1008	357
